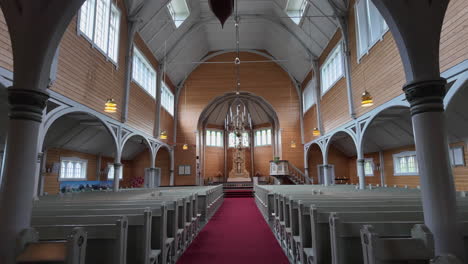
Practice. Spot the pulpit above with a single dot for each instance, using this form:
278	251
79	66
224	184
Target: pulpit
238	172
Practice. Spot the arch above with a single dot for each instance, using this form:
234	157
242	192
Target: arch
260	101
330	140
166	173
134	134
312	171
397	104
60	112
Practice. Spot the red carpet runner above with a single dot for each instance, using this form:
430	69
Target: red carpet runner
236	234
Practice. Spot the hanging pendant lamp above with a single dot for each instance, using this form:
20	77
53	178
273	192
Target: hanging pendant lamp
163	134
222	9
316	132
293	144
110	106
185	147
366	99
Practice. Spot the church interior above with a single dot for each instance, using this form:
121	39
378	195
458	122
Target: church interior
234	131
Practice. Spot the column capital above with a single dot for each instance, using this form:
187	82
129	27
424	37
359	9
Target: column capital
425	96
361	161
26	104
117	164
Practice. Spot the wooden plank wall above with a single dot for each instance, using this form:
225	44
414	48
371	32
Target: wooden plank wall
352	165
214	162
310	122
334	103
267	80
6	53
87	77
163	161
262	157
132	168
315	158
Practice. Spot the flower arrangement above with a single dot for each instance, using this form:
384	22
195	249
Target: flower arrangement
137	182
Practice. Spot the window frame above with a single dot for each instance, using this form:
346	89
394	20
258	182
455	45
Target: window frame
216	137
396	165
84	168
177	17
310	88
366	160
339	46
164	87
241	139
91	39
452	158
294	14
111	165
137	53
266	137
370	43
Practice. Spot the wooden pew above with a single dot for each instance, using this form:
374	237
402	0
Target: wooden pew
345	232
160	246
399	245
69	250
106	243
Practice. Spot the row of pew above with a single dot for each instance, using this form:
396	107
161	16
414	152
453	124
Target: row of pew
341	225
141	226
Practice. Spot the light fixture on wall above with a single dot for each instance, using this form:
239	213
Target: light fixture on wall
110	106
163	134
366	99
185	146
293	144
316	132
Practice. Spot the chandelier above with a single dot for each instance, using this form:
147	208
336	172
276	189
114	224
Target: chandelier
237	123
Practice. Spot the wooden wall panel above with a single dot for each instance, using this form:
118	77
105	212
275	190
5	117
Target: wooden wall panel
167	123
460	173
267	80
141	109
214	162
340	162
315	159
380	72
163	161
6	53
262	157
334	103
310	122
369	179
453	47
51	180
85	76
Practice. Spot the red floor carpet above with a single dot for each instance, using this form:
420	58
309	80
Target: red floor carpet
238	234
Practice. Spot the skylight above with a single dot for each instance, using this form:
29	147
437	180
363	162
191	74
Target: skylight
295	9
179	11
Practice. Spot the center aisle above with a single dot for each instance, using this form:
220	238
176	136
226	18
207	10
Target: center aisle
238	234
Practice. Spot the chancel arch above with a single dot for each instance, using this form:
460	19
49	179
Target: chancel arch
233	126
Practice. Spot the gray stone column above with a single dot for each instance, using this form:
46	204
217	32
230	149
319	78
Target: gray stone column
437	185
17	188
117	169
361	173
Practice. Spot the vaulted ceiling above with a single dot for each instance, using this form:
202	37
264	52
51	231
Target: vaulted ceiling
264	25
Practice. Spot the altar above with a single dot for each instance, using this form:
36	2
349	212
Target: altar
238	172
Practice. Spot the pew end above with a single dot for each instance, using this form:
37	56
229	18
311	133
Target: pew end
72	250
385	250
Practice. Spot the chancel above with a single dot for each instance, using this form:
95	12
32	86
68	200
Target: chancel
234	131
